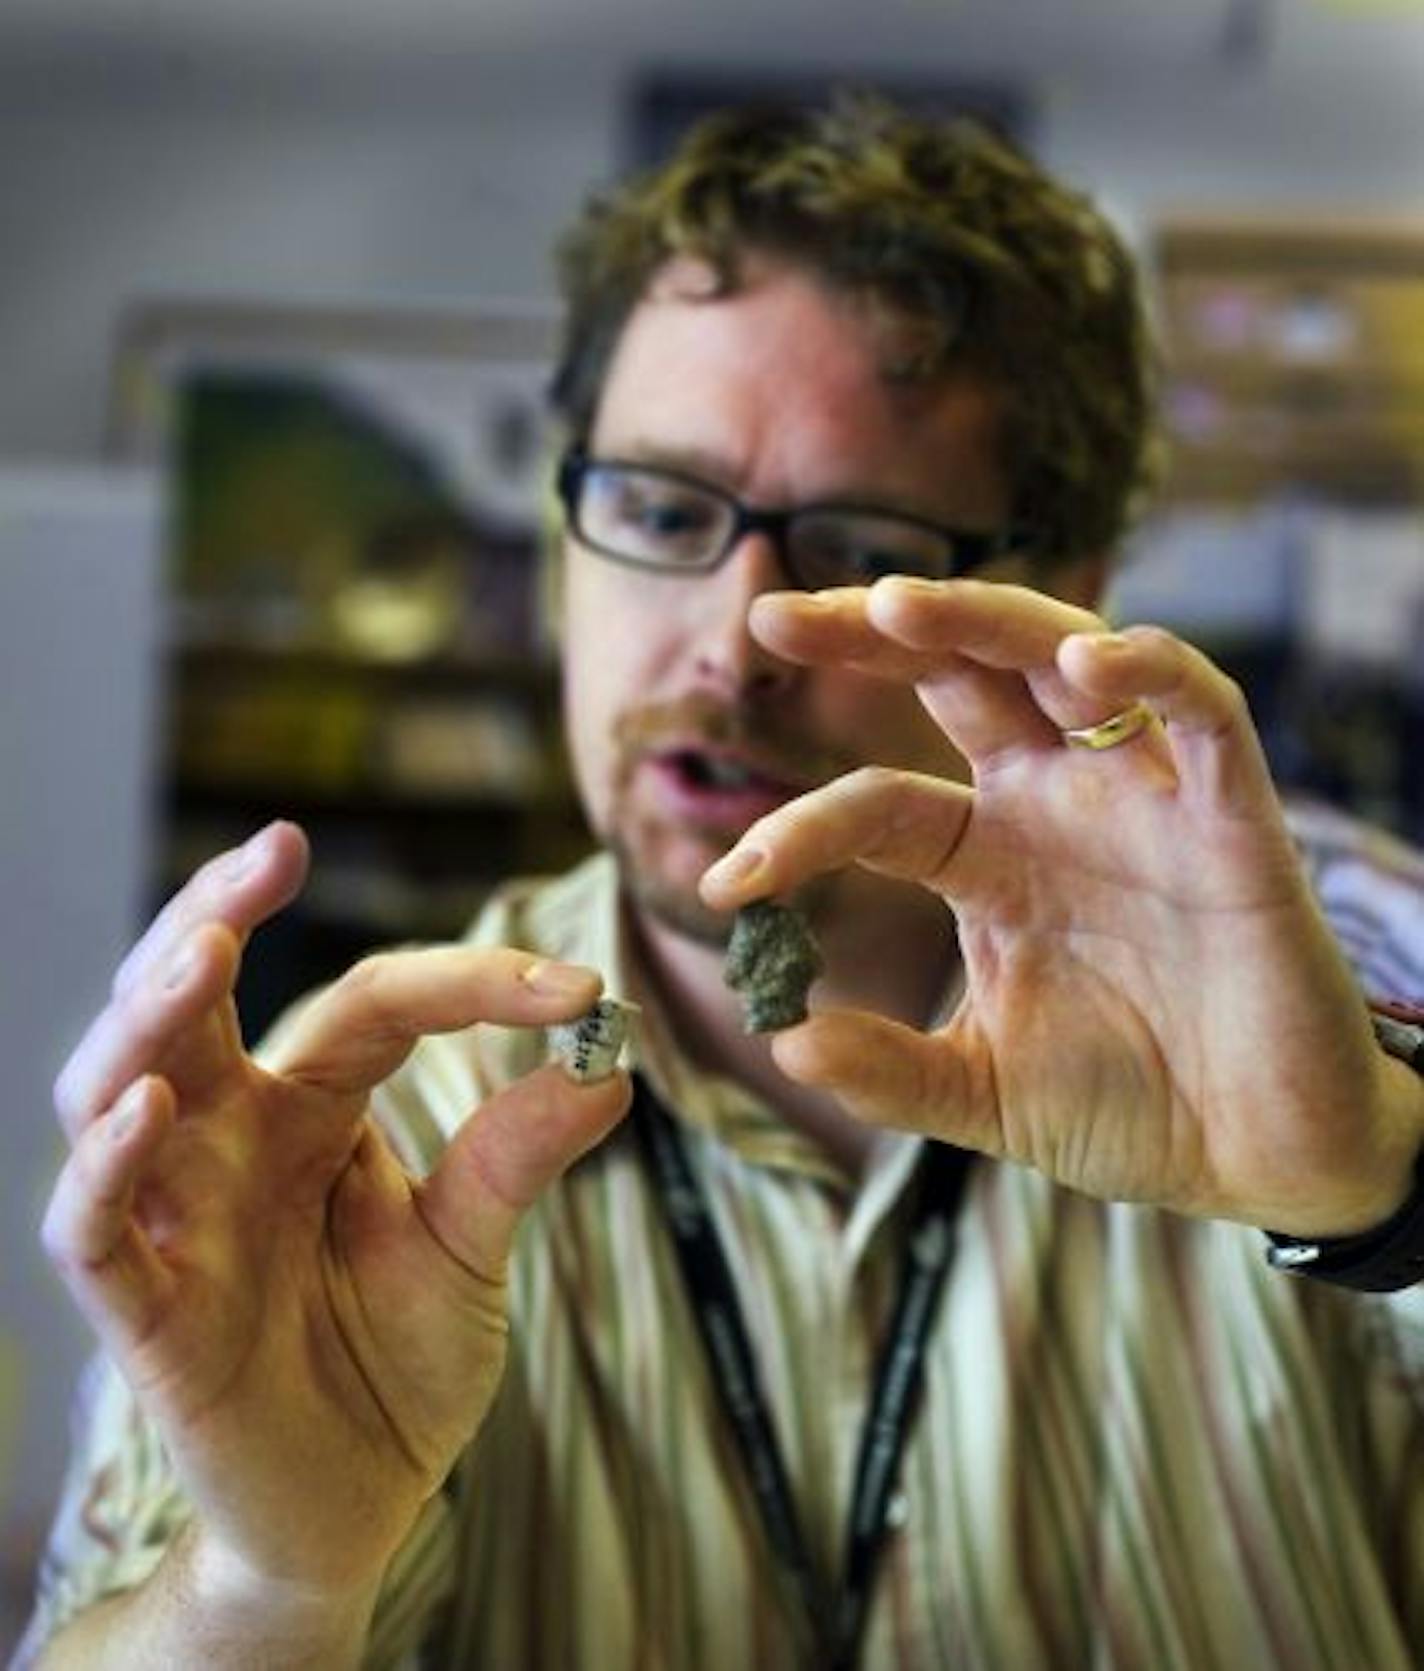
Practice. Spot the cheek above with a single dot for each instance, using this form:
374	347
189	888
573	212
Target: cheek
886	724
605	651
589	706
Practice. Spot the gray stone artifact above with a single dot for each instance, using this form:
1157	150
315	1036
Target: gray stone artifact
587	1048
771	961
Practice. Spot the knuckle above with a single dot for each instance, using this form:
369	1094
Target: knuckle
138	956
367	974
1235	705
56	1239
138	1027
871	780
51	1233
1148	635
68	1102
213	877
365	989
146	953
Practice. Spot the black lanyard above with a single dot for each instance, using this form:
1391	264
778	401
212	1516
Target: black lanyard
837	1627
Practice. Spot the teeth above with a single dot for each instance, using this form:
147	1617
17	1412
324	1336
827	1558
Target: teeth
717	773
725	774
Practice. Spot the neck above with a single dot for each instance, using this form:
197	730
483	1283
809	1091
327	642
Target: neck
893	954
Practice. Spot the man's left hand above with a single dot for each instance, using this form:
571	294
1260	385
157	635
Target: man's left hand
1154	1008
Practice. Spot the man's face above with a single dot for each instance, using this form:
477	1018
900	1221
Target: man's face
683	729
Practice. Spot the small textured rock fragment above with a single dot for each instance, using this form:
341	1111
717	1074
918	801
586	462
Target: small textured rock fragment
587	1048
771	961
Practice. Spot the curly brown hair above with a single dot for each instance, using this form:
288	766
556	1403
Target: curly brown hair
982	261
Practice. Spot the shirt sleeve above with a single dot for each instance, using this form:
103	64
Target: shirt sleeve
121	1507
1371	887
1389	1390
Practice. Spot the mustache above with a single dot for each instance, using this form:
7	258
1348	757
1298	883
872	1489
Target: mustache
780	745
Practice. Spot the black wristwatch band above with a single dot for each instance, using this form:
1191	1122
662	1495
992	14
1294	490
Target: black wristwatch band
1391	1256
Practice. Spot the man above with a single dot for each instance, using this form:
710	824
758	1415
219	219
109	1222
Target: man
855	408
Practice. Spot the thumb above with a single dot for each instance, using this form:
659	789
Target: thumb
510	1149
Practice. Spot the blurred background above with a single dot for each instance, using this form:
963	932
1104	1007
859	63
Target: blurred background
275	312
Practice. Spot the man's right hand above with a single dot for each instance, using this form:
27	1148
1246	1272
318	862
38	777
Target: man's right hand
315	1333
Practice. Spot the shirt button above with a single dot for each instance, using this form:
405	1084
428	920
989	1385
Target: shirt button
897	1512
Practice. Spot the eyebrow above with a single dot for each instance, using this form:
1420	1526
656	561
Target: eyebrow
687	461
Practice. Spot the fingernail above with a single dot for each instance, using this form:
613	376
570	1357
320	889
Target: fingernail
558	980
1112	642
915	584
736	867
243	860
179	970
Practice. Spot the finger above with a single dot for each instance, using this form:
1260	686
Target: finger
240	888
989	716
170	1021
832	628
506	1154
985	709
166	1010
89	1229
362	1028
1013	628
887	1074
1216	751
902	824
1012	636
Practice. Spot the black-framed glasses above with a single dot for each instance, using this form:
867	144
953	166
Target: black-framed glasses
662	519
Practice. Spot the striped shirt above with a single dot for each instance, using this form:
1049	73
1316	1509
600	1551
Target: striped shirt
1138	1446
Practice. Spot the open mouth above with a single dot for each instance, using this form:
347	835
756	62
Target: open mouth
719	787
710	771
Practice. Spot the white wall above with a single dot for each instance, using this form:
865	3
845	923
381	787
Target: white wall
1169	143
105	202
384	194
79	629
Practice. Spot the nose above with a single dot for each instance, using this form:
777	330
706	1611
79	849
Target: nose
729	662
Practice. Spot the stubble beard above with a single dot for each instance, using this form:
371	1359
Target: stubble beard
658	874
676	905
662	898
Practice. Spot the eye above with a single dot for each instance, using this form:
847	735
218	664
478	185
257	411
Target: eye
869	564
663	510
672	516
856	548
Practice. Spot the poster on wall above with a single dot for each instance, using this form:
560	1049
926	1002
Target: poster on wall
361	480
353	608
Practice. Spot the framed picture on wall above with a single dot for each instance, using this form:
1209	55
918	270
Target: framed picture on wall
354	633
360	479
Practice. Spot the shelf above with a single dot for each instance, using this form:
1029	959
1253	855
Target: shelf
196	656
361	803
1294	358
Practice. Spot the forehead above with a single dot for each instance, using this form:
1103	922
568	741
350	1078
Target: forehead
783	381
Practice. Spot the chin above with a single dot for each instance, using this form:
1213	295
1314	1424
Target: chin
660	895
685	915
677	908
662	892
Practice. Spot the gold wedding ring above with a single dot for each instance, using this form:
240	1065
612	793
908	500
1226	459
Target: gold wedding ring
1109	732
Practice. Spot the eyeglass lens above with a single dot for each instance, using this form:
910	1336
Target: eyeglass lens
665	521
